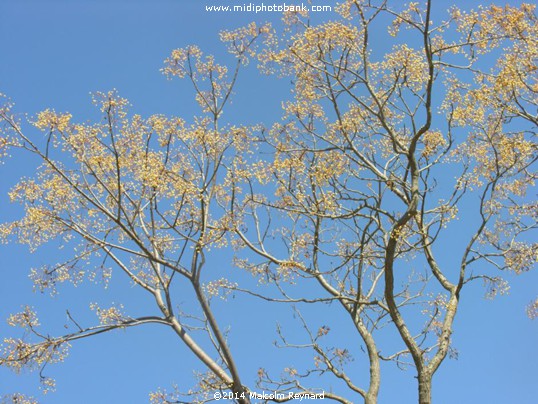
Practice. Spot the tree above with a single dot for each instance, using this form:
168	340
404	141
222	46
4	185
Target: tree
349	200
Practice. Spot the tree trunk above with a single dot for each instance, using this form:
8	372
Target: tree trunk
370	399
424	388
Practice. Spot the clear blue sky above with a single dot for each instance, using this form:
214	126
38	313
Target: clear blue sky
52	54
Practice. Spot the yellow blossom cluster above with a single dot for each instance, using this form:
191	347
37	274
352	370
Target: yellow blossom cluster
433	141
521	256
242	41
532	309
18	398
18	354
406	65
48	385
496	286
25	319
221	288
409	18
109	316
111	103
50	120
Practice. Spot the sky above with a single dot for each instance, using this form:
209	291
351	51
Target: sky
52	55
